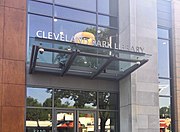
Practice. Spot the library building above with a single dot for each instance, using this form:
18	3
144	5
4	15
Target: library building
90	66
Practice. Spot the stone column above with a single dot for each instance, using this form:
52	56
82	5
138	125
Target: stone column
139	102
176	57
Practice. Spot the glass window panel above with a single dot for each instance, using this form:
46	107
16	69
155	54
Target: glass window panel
163	58
41	24
89	62
108	7
38	27
108	101
87	121
164	103
38	120
107	21
165	113
107	121
48	1
76	15
164	87
39	97
75	32
80	4
107	37
40	8
163	33
65	121
75	99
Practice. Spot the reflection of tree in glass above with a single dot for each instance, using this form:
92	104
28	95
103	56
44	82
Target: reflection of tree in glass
165	112
61	58
104	103
80	98
35	114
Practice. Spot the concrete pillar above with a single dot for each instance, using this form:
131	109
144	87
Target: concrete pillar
139	107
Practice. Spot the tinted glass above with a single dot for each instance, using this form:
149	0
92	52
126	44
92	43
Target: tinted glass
107	37
38	120
163	58
38	27
107	21
164	87
87	121
40	97
73	31
39	23
76	15
80	4
40	8
108	7
75	99
163	33
165	113
65	121
107	121
108	101
48	1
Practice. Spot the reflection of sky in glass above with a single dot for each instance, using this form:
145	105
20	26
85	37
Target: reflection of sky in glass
163	33
163	58
49	1
40	8
164	102
81	4
67	100
107	7
39	23
38	93
75	15
164	87
70	28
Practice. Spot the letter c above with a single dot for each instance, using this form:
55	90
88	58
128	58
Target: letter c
38	34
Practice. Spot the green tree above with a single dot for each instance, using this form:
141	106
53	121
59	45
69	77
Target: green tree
165	112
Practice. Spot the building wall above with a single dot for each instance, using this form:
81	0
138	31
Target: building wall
12	64
176	42
139	107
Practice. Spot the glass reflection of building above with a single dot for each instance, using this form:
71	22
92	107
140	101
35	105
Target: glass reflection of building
62	20
164	78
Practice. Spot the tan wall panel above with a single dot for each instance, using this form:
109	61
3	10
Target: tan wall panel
1	71
13	119
178	57
178	72
13	72
1	30
0	119
178	64
1	90
14	34
20	4
1	2
178	50
178	83
13	95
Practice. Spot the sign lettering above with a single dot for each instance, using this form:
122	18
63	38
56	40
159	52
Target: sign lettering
85	40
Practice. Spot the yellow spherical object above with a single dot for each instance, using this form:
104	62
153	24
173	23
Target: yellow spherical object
84	38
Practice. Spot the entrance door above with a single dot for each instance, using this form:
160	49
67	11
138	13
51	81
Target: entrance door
75	121
65	121
87	121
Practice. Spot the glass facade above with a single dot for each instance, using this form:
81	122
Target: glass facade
77	21
164	79
50	108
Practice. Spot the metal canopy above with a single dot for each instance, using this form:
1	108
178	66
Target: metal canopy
82	60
